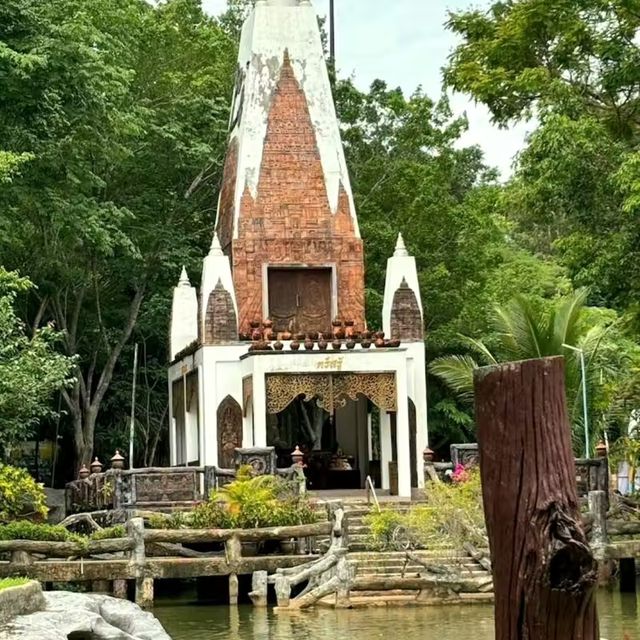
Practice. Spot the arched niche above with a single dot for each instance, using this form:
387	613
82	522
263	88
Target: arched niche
229	419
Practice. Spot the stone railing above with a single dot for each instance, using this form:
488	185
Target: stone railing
592	474
166	487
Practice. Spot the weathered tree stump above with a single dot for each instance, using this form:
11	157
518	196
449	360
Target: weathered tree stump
544	572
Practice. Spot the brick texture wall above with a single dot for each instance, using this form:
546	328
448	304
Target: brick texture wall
290	220
220	318
406	319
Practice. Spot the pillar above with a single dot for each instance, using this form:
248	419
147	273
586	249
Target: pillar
120	589
172	429
259	410
403	454
386	455
419	374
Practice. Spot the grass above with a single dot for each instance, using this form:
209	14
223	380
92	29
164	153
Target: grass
7	583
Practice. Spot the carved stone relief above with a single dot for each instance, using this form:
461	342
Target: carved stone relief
229	431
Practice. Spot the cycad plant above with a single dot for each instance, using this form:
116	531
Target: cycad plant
524	331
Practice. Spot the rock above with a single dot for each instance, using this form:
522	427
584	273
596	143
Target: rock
56	505
85	617
20	600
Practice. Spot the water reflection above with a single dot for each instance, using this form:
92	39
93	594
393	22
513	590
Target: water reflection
184	621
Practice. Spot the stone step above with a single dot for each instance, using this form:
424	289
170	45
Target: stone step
413	570
444	552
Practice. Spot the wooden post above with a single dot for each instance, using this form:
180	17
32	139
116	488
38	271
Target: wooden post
598	509
259	587
233	550
544	573
283	590
120	589
344	573
137	560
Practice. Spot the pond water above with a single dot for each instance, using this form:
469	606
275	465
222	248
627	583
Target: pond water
619	620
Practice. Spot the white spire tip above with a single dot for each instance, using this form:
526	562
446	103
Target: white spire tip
401	248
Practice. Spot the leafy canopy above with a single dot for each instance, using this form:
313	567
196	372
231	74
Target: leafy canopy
31	368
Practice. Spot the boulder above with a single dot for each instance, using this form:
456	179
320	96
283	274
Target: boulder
56	505
84	617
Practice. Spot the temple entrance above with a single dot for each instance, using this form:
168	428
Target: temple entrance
336	445
300	299
329	417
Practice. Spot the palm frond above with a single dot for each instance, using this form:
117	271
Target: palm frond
457	373
479	347
566	317
521	332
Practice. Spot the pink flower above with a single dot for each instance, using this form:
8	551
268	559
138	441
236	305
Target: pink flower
460	474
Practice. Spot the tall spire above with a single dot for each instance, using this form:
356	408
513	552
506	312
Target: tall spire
401	248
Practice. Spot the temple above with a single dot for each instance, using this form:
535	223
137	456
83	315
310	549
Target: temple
273	349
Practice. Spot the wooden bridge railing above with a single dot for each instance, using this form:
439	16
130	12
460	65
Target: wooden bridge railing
147	554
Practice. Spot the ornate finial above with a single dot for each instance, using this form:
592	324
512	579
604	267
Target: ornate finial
401	249
184	278
216	247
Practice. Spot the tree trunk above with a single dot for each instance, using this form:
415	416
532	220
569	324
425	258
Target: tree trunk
543	570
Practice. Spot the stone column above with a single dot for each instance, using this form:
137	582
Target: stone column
386	454
259	410
403	455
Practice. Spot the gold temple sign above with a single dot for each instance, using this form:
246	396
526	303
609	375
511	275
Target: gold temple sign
331	390
330	363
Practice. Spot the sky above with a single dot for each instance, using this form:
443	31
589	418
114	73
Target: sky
404	42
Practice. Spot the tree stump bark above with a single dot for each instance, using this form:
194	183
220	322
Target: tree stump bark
544	572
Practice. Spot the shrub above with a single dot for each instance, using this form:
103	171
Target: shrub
381	525
253	502
7	583
20	495
117	531
452	515
27	530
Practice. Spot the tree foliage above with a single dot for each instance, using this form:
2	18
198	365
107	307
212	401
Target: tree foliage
122	108
525	57
31	369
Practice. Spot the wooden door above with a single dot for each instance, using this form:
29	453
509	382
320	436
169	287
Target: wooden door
300	299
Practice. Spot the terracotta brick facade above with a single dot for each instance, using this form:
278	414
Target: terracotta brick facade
290	222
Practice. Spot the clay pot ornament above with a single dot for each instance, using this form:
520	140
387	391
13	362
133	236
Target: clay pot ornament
309	344
336	345
322	344
278	346
295	345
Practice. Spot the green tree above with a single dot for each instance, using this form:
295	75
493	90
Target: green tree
410	174
121	110
31	370
525	57
525	331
